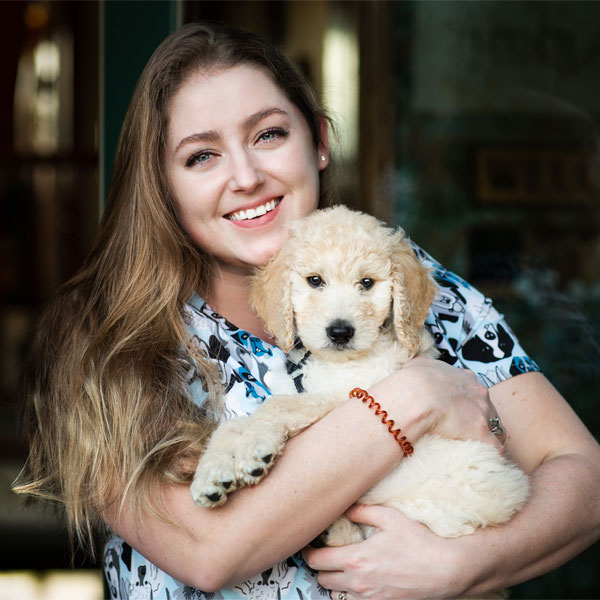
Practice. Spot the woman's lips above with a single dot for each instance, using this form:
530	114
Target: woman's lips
257	215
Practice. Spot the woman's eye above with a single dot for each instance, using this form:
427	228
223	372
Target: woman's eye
272	134
199	158
314	281
367	283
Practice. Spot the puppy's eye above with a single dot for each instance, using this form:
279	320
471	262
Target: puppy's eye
367	283
315	281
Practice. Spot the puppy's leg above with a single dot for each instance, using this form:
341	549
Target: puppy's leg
341	533
217	471
242	451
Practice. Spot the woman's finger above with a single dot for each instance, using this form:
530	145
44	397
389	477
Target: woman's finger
324	559
496	427
371	514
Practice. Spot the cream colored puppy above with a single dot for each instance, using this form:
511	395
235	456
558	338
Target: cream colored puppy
352	291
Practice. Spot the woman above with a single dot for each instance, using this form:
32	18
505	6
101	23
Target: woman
223	146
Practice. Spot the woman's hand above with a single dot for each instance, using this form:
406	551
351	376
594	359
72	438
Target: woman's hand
401	560
447	401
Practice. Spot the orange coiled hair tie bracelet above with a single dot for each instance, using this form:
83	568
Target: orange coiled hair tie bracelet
364	396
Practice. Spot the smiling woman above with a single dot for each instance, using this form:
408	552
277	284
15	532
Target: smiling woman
241	165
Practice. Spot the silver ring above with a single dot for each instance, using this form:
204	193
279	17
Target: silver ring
342	596
496	426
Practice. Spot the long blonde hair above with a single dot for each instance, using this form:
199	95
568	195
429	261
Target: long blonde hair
108	412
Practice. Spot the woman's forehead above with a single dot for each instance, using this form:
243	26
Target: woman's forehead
209	103
221	82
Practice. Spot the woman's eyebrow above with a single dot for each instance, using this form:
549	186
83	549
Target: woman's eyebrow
247	124
257	117
204	136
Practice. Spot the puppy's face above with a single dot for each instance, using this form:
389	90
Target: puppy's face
341	300
342	281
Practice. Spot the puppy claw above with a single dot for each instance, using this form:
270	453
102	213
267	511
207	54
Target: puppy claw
208	497
251	473
213	480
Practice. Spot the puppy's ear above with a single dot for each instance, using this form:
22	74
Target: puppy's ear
413	292
271	297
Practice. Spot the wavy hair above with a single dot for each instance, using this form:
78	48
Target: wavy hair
108	413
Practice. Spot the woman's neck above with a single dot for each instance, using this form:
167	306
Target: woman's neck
229	297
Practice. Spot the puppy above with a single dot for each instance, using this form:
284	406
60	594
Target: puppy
347	299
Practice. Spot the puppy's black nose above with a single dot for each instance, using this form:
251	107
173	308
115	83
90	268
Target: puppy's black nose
340	332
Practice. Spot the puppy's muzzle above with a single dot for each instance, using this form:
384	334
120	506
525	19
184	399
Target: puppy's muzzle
340	332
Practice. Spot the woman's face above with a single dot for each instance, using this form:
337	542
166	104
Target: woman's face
241	165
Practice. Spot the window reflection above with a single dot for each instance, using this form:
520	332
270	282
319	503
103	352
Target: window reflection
340	83
44	87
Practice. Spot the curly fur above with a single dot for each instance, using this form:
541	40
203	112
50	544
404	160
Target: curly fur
451	486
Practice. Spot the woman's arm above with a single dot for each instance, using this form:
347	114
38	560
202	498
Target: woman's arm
561	519
321	473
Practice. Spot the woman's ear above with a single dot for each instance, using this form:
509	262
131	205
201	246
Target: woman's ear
413	292
270	295
323	147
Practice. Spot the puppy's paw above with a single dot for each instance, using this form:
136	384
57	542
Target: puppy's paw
215	475
341	533
256	451
213	480
240	453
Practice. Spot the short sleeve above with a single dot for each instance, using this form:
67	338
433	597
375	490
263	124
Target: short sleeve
469	332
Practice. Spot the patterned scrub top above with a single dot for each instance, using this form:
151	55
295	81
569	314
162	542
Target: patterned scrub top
467	330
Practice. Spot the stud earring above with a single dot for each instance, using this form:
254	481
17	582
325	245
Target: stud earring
323	157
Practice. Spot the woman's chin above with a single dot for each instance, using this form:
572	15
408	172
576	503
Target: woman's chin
268	251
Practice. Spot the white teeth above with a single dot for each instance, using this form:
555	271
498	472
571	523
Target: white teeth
251	213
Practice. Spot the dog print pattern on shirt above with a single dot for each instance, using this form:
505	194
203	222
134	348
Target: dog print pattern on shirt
467	330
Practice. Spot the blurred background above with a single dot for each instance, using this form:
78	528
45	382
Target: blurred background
474	125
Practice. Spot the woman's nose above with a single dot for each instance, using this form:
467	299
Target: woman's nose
246	175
